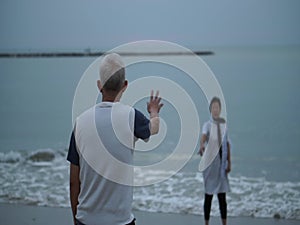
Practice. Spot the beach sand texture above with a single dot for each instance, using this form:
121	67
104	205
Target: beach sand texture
13	214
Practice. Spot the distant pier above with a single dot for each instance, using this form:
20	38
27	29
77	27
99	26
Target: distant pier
96	54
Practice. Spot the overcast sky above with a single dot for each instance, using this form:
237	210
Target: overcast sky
79	24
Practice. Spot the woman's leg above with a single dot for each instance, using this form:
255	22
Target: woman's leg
223	207
207	207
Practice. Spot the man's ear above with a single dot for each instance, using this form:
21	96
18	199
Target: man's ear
99	85
125	85
119	95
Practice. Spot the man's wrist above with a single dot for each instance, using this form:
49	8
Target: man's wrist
154	114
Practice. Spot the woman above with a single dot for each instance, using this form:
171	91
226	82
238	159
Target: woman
215	163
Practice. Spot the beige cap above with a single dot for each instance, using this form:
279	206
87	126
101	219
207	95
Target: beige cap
110	64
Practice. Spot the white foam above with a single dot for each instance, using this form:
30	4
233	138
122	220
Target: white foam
257	197
10	157
48	185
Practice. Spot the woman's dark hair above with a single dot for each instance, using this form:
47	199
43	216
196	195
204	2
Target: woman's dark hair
214	99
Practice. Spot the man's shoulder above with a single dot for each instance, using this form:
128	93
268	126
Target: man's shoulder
87	112
139	115
137	111
123	106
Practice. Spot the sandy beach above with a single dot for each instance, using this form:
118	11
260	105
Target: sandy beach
12	214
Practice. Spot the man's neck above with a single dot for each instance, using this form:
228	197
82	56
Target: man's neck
108	98
111	96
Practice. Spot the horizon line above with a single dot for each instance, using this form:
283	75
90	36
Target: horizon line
94	54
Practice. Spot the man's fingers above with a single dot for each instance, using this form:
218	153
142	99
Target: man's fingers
151	95
157	94
161	105
156	97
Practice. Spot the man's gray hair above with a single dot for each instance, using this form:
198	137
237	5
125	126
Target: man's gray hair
112	72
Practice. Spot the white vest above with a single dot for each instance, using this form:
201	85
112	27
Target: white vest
104	137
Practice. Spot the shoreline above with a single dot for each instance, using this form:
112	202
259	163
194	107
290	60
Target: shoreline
15	214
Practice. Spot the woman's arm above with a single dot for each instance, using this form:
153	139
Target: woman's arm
202	144
228	169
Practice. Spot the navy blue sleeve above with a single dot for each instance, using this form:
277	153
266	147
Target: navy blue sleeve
73	156
141	126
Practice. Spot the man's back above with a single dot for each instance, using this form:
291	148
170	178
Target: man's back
101	199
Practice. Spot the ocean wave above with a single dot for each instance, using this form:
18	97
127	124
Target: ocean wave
10	157
255	197
42	178
40	155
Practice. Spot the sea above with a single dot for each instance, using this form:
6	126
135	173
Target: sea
261	87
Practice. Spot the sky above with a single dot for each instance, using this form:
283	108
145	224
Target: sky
103	24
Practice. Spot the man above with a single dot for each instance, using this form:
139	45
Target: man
100	193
